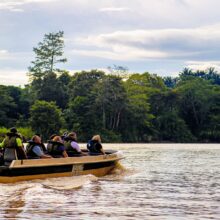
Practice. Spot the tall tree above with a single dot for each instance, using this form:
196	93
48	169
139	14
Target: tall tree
48	54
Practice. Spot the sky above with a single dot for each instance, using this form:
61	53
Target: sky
157	36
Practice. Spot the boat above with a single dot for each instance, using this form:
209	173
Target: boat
29	169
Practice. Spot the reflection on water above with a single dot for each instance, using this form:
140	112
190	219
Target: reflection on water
158	181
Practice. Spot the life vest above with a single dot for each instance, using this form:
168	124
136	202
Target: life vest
68	147
53	148
29	149
10	141
91	146
11	148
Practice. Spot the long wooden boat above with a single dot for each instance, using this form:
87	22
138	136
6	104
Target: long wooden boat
29	169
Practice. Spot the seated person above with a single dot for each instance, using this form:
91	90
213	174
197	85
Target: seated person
36	149
55	147
94	145
49	145
71	145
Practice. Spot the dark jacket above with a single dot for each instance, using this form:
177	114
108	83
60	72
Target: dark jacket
94	147
55	148
29	149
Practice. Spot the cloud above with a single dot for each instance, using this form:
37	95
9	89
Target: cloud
114	9
15	5
141	34
203	65
121	53
13	77
4	54
154	43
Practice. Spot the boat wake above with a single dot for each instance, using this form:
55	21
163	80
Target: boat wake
68	183
118	173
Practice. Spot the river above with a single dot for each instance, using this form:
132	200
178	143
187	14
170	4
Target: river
155	181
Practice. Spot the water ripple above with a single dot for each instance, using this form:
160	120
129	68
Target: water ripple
155	182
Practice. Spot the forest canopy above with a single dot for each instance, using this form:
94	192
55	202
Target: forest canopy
118	105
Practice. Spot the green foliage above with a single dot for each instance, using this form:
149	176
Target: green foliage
120	71
3	132
195	103
52	89
45	85
83	82
170	82
140	108
48	54
110	101
25	131
45	118
171	127
75	116
109	136
138	117
8	107
81	112
119	106
209	74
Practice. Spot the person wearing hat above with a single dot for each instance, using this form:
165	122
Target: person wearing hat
13	146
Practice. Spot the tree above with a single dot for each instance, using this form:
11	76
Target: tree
110	101
96	104
52	89
211	129
45	84
209	74
167	123
81	114
170	82
120	71
196	100
171	127
8	114
186	72
137	122
22	99
48	54
83	82
45	118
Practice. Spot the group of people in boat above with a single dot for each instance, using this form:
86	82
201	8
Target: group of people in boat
57	146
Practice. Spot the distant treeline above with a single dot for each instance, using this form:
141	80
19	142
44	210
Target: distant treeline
121	107
133	108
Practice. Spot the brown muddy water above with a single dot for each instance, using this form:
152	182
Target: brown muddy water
159	181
